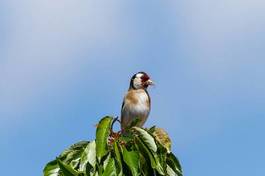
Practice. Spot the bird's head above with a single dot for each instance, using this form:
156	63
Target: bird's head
140	80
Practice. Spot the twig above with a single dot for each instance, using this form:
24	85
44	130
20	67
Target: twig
114	120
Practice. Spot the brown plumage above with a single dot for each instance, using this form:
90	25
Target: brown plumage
136	103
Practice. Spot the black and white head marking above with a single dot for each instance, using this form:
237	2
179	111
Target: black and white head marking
138	80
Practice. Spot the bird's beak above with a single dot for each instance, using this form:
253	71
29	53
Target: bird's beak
149	82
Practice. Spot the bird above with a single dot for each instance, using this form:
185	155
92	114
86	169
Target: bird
136	102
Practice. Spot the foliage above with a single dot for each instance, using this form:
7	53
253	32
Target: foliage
137	152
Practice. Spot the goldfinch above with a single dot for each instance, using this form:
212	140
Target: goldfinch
136	103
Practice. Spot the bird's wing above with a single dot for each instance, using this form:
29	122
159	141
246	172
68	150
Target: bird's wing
124	114
122	104
149	99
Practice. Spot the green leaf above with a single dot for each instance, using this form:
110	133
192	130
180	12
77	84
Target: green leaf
73	153
51	169
67	170
147	138
106	161
173	162
88	156
110	168
144	152
118	158
75	162
152	129
154	160
145	165
70	156
131	158
102	134
76	146
170	171
99	170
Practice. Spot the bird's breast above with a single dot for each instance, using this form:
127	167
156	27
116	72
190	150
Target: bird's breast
137	101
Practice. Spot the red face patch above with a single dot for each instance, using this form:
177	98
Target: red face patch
145	78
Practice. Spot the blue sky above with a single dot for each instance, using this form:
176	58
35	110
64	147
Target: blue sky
65	64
